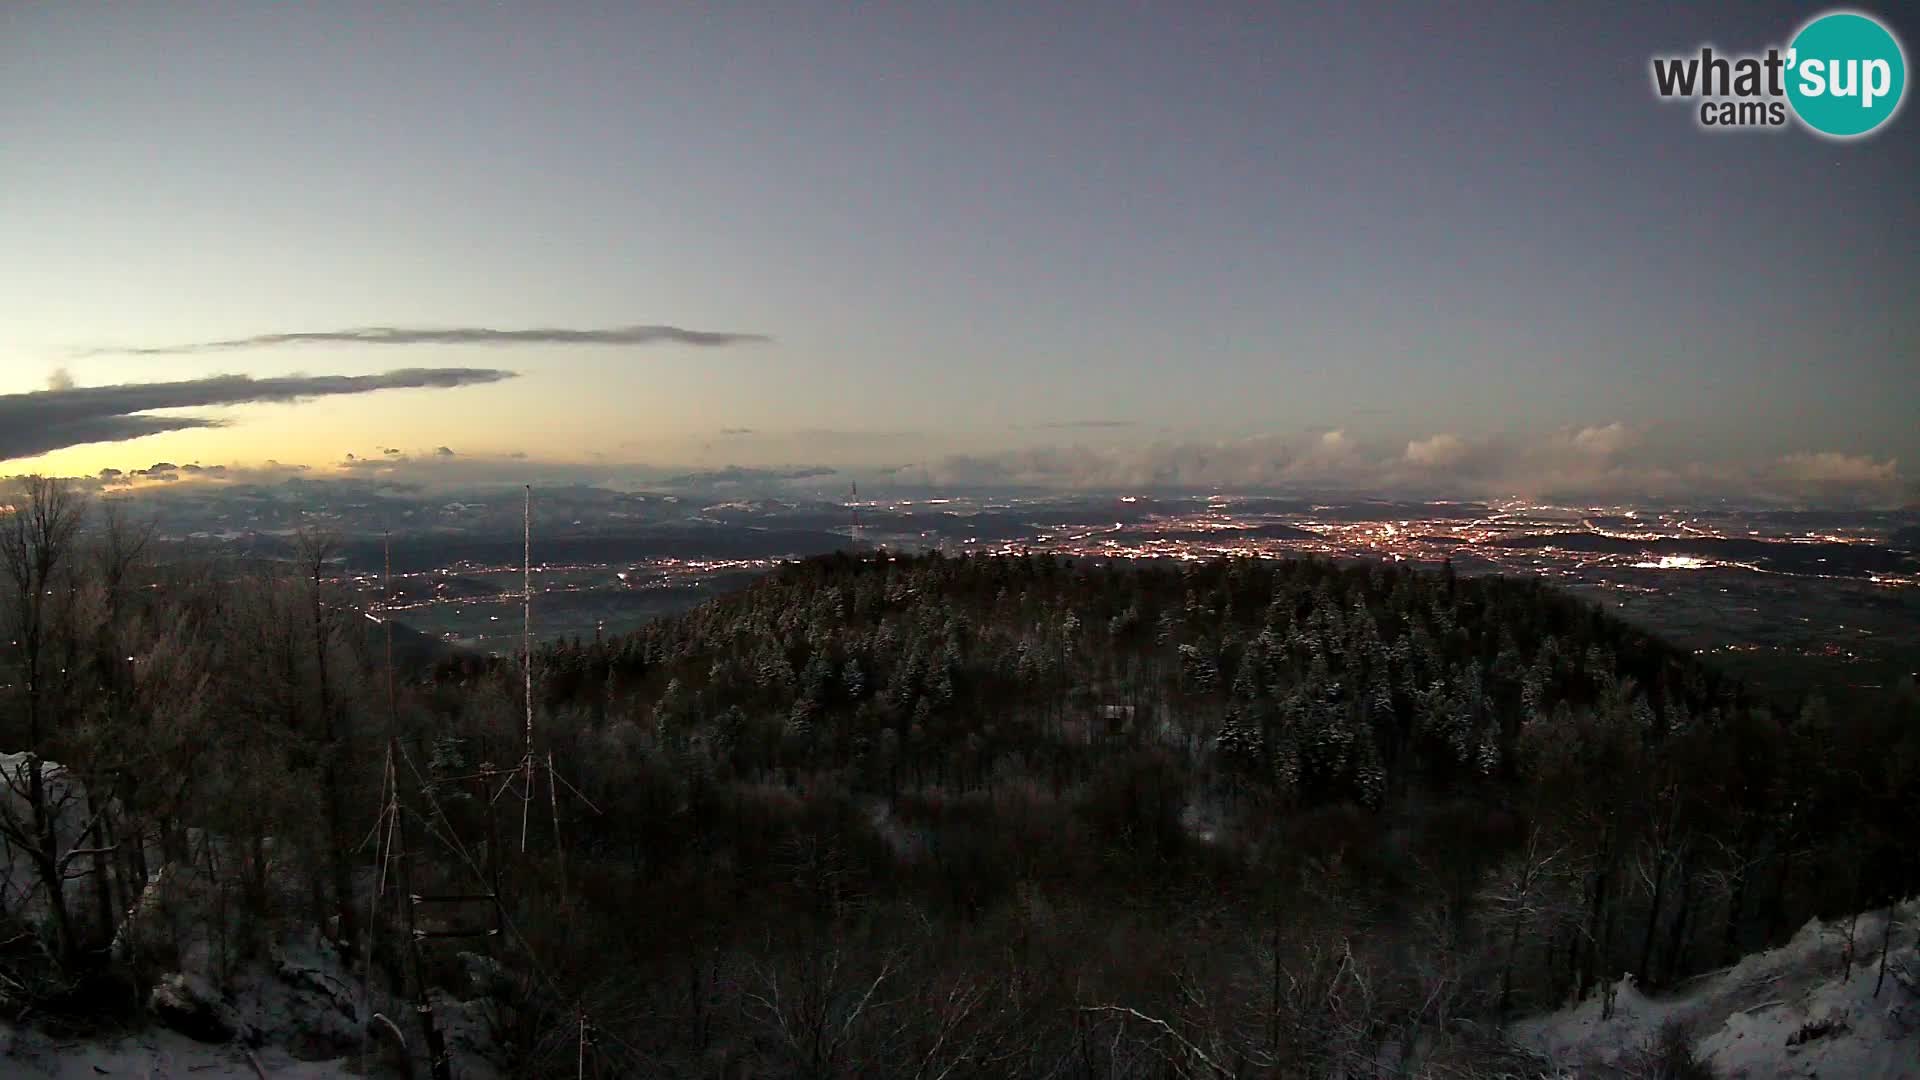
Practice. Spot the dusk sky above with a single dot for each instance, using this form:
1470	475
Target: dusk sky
1316	243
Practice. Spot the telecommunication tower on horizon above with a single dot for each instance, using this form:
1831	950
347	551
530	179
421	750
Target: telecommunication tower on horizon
853	507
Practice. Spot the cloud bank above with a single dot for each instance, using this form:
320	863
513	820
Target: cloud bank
44	420
461	335
1599	462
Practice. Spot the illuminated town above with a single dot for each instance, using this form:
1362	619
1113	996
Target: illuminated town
1750	586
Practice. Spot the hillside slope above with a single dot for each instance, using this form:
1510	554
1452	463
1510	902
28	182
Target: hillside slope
1798	1010
1057	817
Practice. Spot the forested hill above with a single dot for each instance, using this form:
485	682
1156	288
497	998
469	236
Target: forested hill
1315	683
1357	746
878	815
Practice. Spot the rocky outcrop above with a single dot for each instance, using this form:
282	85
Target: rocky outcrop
189	1005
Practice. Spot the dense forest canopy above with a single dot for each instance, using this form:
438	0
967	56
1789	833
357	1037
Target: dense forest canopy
910	815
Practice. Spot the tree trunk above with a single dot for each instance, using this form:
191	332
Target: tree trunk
102	880
1644	967
1736	901
46	861
1513	954
1777	903
1273	991
1677	935
1593	947
339	864
1886	939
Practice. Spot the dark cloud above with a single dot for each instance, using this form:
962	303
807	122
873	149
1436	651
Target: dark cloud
734	431
43	420
1084	425
442	451
462	335
24	436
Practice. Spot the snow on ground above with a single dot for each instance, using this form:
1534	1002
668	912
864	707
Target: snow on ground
1787	1012
300	1009
160	1055
296	1001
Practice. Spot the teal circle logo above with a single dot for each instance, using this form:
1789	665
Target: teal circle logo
1846	74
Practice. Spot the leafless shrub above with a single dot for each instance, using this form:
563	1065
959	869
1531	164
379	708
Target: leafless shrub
1669	1055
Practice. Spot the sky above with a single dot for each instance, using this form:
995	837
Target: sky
1239	244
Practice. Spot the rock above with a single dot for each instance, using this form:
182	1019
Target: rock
21	891
302	997
1905	970
486	976
188	1005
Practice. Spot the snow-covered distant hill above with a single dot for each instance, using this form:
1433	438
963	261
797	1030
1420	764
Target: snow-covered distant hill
1800	1010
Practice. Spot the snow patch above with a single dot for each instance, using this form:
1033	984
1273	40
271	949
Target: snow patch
1794	1011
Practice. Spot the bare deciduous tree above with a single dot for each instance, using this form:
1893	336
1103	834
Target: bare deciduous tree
36	546
1516	898
818	1011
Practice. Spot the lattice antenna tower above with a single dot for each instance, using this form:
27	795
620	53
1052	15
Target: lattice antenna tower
394	853
390	827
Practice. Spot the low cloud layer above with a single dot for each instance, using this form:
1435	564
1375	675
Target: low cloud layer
1840	472
45	420
460	335
1438	452
1609	461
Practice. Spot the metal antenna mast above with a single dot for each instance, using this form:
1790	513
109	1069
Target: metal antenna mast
528	763
526	656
